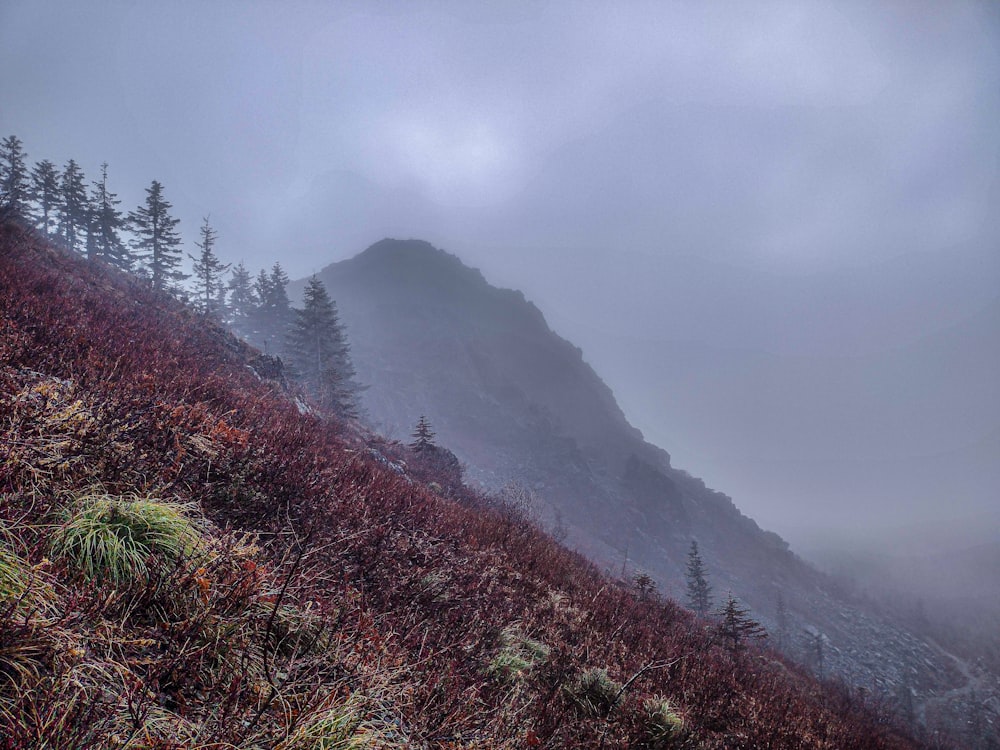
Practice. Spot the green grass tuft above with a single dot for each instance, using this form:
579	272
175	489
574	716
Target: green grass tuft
15	577
517	655
344	727
594	691
22	591
664	725
332	730
111	537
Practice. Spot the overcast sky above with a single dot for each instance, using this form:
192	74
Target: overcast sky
772	227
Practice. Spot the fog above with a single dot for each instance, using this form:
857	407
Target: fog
772	228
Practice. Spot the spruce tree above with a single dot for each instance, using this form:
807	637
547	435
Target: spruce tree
318	352
781	619
74	207
259	326
45	193
14	187
698	591
276	300
243	300
262	288
423	436
106	222
736	626
208	270
157	243
221	304
274	315
90	243
434	463
816	651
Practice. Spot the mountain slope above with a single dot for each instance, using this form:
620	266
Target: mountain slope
258	575
517	402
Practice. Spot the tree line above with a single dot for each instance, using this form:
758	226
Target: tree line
146	242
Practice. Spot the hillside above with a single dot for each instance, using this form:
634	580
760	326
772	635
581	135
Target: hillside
516	402
191	557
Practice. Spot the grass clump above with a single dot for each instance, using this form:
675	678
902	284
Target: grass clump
508	665
518	654
665	727
23	650
333	729
110	537
343	727
594	691
22	591
15	577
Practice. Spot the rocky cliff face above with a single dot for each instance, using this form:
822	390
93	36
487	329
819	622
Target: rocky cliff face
516	402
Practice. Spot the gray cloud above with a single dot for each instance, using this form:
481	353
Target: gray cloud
773	227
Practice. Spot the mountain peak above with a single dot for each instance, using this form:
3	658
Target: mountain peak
412	260
390	248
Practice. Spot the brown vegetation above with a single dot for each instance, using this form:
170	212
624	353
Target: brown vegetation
315	597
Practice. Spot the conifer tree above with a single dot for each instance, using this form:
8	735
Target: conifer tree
781	618
736	626
243	300
157	243
644	584
106	222
208	270
698	591
318	351
276	297
74	208
14	186
90	243
221	300
816	651
45	193
262	288
274	315
423	436
434	463
258	331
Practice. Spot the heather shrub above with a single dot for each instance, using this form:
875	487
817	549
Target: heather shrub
110	537
365	583
292	630
594	692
